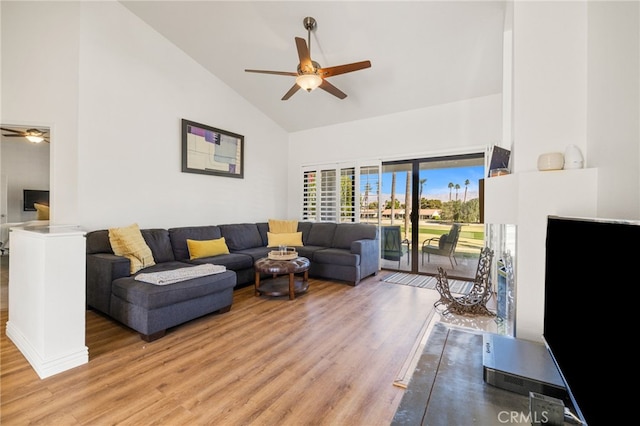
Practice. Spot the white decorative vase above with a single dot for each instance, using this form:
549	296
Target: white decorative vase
550	161
573	158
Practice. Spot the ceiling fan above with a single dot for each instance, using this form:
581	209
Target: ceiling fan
33	135
310	74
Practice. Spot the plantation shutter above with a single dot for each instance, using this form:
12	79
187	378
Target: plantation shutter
328	195
309	195
347	194
340	193
369	193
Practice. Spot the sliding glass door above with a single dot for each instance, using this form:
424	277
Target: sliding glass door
430	214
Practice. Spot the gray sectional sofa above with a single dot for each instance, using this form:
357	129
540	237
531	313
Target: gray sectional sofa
346	252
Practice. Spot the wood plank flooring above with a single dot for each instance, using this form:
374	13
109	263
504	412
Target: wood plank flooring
328	357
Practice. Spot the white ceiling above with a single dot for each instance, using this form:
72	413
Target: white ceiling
422	53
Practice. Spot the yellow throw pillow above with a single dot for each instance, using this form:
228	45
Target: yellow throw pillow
283	226
207	248
284	239
43	211
128	242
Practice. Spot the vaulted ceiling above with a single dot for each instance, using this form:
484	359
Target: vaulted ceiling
422	53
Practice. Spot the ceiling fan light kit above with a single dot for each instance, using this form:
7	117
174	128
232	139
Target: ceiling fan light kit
32	135
309	81
34	139
310	75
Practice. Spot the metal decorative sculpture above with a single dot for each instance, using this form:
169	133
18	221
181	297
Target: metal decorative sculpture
474	302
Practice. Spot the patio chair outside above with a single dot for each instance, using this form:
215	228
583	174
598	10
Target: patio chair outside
445	245
393	247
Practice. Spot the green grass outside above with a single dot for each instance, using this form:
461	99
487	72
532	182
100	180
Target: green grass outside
471	238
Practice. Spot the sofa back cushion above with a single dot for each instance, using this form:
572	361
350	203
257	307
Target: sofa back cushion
159	243
241	236
179	237
263	228
321	234
305	228
98	242
347	233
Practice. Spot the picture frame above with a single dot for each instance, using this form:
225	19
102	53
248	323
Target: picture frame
211	151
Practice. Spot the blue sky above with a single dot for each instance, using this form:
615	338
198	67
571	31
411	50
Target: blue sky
437	185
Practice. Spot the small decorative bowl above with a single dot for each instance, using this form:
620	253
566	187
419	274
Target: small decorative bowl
551	161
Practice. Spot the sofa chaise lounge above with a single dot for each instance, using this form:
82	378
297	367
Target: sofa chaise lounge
345	252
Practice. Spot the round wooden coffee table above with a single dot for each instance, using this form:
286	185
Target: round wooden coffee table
276	287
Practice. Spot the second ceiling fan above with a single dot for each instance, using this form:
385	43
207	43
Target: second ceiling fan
33	135
310	74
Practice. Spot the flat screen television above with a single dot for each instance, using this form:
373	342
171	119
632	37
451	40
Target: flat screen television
590	292
32	196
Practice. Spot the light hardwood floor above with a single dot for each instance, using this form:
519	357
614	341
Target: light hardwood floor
327	358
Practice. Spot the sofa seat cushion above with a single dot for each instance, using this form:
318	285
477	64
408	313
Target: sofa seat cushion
308	251
334	256
256	253
233	261
151	296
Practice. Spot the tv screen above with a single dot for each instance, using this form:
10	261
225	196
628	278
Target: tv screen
590	288
32	196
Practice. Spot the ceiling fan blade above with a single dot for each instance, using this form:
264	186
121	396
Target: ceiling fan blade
303	54
14	136
342	69
328	87
292	74
291	91
11	130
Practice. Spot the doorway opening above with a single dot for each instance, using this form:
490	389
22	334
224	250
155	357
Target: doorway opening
430	214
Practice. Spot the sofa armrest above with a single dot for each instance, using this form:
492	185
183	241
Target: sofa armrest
369	251
102	269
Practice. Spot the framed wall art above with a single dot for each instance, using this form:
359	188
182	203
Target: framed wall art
210	151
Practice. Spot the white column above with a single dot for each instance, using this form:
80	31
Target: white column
47	303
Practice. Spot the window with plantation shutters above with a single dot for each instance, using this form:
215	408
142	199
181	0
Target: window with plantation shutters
340	193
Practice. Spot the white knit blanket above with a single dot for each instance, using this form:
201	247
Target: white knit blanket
182	274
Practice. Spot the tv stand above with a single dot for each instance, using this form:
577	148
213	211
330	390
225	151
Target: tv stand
448	387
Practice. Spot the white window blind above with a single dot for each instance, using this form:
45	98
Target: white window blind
309	195
344	193
369	194
328	196
347	194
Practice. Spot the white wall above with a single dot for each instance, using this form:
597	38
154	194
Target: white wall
135	88
113	92
613	130
459	127
575	82
45	92
26	166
